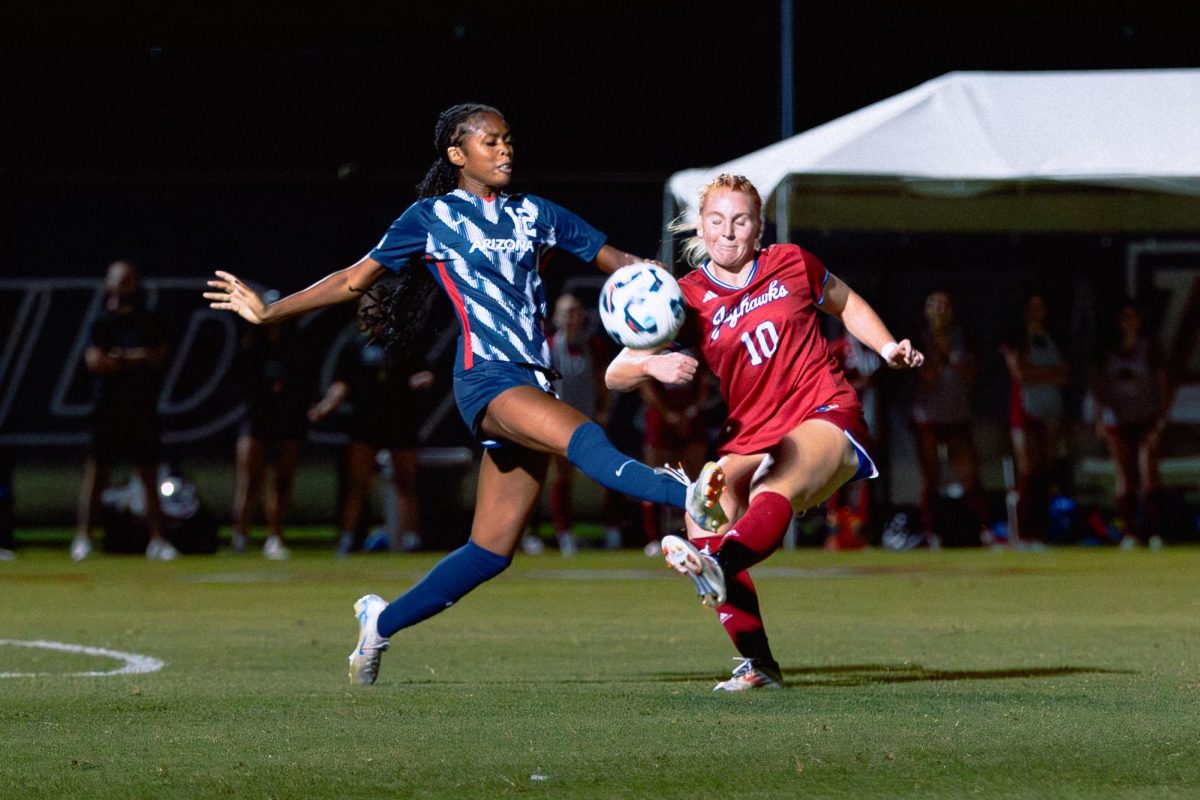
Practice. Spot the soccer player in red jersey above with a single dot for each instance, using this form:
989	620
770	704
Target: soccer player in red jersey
795	425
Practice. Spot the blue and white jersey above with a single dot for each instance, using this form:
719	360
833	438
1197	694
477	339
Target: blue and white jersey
485	254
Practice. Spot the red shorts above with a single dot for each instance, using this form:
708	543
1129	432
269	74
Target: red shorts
847	417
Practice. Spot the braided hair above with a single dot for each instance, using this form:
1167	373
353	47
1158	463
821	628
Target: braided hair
452	127
397	309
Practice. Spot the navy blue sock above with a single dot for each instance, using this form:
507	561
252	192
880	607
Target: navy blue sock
450	579
594	454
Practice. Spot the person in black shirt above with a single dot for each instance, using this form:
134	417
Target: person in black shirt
386	388
275	379
126	353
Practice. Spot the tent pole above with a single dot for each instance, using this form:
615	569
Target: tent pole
783	211
666	252
787	124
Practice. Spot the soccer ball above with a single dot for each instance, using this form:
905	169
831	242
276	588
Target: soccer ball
641	306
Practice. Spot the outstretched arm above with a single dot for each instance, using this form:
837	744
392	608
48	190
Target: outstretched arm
866	326
631	368
230	294
610	259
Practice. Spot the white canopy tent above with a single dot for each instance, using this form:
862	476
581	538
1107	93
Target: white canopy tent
973	151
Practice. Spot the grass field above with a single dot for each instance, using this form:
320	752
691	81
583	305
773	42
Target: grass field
1070	673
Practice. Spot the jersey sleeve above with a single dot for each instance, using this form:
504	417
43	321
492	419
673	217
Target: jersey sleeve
817	275
569	231
406	238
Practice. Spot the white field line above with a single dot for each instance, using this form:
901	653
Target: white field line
134	663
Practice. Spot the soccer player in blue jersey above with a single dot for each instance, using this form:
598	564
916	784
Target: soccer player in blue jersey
484	247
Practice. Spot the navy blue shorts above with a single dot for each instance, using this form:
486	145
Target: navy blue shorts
474	388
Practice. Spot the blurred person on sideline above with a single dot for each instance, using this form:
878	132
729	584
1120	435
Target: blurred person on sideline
8	541
483	247
941	417
386	389
1133	398
1038	371
675	434
276	381
126	351
794	427
849	509
579	357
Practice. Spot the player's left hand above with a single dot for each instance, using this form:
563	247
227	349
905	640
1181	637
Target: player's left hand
233	295
905	356
672	369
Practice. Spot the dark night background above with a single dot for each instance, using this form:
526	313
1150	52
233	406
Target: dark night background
198	134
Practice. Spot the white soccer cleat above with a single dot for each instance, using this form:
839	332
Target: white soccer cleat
81	548
750	675
703	502
274	549
707	575
364	661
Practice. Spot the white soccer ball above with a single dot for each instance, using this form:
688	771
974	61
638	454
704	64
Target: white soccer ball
641	306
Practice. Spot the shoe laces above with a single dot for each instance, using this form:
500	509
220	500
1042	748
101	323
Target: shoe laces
675	472
746	666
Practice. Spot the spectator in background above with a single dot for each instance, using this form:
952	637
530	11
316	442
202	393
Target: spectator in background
1038	371
276	383
580	359
1133	398
941	417
385	389
622	515
849	508
675	434
126	352
8	542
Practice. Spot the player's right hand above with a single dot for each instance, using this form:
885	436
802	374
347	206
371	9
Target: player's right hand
233	295
673	369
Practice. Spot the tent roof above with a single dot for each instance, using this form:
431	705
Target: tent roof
963	132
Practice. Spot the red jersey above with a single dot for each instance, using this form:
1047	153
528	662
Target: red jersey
764	344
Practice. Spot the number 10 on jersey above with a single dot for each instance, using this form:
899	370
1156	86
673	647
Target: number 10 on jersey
768	342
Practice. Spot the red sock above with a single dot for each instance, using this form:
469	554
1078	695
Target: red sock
757	534
740	614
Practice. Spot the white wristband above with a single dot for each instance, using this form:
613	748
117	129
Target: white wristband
887	350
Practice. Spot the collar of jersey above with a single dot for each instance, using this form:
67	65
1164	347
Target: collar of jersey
475	199
708	273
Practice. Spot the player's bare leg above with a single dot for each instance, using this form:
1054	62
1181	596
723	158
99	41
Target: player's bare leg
533	418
